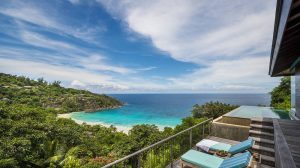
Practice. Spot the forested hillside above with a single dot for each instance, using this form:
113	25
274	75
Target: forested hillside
22	90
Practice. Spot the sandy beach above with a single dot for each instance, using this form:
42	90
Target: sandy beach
119	127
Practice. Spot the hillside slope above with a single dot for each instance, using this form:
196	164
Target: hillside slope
22	90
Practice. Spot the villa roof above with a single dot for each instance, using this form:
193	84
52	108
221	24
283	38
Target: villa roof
285	53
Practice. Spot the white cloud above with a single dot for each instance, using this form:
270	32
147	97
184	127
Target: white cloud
241	87
29	14
75	77
98	88
38	40
52	72
58	72
77	83
50	20
147	68
75	2
242	76
200	31
81	59
230	41
248	74
97	62
225	39
67	53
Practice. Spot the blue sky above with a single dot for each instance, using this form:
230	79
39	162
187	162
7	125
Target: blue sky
112	46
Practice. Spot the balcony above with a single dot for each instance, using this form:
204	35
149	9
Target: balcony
165	153
276	143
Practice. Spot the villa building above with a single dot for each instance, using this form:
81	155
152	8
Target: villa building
285	54
285	61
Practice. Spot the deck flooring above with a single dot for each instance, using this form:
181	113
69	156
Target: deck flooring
291	133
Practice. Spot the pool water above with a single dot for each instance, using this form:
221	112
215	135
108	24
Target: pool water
258	112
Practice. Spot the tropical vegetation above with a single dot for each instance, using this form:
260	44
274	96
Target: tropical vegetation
211	109
281	95
40	93
31	135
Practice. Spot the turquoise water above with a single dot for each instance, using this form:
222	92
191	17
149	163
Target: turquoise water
128	115
258	112
162	109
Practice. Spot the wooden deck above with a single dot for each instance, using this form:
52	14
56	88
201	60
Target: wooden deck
287	142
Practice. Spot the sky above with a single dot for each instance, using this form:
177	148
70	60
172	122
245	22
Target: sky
141	46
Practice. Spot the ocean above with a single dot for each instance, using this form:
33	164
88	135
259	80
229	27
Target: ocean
161	109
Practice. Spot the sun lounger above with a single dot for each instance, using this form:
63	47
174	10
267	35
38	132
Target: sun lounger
210	145
198	159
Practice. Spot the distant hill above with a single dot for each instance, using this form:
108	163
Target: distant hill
23	90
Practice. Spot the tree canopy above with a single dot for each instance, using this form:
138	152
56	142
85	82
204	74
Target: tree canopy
22	90
211	109
281	95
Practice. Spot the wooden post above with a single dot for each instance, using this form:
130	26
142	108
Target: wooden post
203	130
139	161
171	153
191	138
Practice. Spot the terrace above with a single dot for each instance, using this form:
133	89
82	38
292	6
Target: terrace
165	153
276	143
277	138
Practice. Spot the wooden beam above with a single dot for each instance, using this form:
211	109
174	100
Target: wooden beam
284	10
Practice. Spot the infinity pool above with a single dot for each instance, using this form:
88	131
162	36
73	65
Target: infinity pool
258	112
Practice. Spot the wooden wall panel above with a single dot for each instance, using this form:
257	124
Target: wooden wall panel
297	90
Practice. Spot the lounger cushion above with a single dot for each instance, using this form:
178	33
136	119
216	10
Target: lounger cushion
201	159
239	161
220	146
241	146
206	144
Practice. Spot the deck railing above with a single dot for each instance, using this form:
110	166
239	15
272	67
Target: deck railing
166	151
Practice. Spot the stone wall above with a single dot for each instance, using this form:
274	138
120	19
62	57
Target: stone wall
231	128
